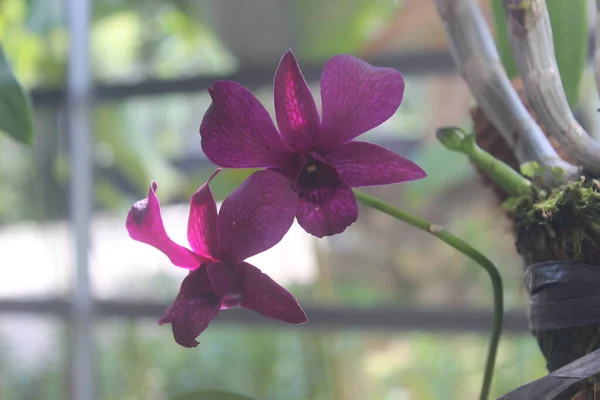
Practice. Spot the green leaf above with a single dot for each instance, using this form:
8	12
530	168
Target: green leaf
531	169
502	41
337	26
510	204
557	172
16	115
570	30
570	35
211	395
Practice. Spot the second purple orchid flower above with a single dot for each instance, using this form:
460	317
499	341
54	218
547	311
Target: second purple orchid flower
315	153
219	278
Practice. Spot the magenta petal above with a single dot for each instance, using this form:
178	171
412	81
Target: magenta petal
193	309
237	131
356	97
295	107
202	223
256	216
265	296
327	211
144	224
223	278
189	318
366	164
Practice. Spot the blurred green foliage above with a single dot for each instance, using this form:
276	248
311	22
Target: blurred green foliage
140	139
143	139
16	115
570	29
445	169
338	26
35	39
210	395
155	39
137	361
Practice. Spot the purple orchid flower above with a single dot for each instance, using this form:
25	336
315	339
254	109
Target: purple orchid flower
251	220
317	155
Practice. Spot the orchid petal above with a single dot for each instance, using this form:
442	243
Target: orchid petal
237	131
202	223
197	282
328	210
144	224
366	164
193	309
356	97
256	216
223	278
265	296
295	108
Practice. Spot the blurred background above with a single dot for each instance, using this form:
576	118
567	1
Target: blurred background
394	314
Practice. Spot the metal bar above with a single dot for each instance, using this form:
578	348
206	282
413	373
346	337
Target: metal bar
80	103
58	307
251	76
386	318
380	318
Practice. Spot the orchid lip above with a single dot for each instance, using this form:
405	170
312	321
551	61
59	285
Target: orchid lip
229	302
235	295
314	173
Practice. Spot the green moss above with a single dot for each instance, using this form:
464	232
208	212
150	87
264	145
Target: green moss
564	225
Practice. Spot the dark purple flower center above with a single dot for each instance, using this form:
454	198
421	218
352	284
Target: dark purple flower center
313	176
221	286
196	284
228	285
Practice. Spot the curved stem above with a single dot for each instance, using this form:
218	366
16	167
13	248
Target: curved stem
470	252
455	139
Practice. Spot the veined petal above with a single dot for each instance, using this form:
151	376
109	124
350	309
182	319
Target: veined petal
144	224
237	131
256	216
193	309
202	223
189	318
366	164
265	296
295	108
356	98
328	210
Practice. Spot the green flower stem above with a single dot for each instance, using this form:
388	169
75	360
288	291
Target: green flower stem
470	252
511	181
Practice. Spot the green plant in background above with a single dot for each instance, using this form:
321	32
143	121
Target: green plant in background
211	395
342	25
376	366
16	115
570	29
338	35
